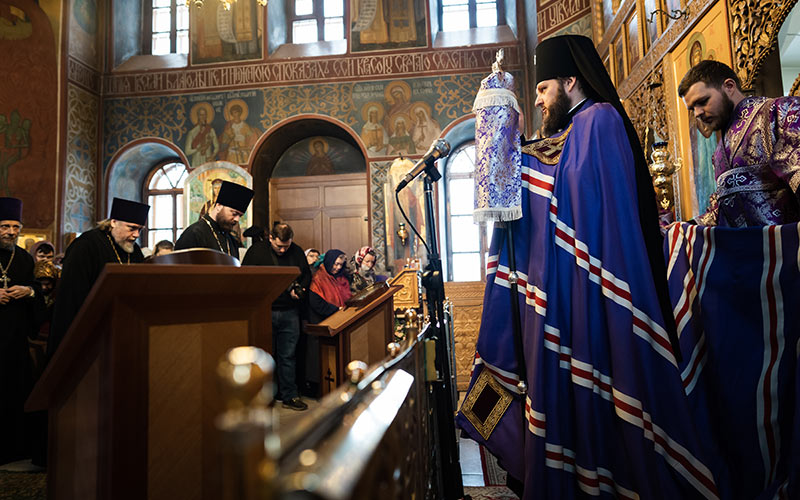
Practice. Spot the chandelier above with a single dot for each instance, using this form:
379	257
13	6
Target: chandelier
225	3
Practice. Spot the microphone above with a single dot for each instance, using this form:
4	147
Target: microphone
439	149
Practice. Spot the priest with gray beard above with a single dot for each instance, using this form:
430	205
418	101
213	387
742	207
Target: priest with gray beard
18	304
114	241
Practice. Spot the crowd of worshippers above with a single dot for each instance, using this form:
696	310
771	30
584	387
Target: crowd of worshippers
41	293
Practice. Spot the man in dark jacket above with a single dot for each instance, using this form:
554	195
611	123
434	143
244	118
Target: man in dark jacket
280	251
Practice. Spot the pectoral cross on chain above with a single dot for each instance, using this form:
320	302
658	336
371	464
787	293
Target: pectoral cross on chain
5	279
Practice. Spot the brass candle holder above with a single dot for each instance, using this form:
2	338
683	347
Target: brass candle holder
402	234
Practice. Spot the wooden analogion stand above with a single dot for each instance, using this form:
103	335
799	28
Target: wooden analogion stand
132	391
359	332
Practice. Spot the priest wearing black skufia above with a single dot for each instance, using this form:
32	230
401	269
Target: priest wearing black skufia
112	241
214	229
17	311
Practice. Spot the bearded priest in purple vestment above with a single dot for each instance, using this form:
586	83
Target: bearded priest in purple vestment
598	409
757	161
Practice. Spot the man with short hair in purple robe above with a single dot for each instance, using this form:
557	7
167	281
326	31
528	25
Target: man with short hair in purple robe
757	161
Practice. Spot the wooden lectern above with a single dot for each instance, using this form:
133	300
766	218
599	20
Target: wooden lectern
132	389
355	333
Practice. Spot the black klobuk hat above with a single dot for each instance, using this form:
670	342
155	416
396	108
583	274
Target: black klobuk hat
11	209
234	196
129	211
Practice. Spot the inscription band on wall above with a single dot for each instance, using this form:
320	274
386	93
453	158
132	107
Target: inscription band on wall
281	73
552	15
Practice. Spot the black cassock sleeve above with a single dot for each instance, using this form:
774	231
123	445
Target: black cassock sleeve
82	266
191	238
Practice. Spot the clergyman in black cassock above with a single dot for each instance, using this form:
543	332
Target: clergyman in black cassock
213	230
17	312
113	240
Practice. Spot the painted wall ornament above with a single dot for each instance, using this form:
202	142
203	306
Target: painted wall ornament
29	116
14	145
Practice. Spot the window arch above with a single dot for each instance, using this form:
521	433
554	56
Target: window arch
164	193
467	243
455	15
166	27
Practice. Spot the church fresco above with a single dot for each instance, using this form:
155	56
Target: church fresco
387	24
83	32
424	106
28	123
319	156
219	35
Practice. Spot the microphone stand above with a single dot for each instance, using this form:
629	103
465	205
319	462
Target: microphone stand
442	388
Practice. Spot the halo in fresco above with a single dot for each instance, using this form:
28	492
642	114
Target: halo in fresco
209	112
227	110
314	141
403	86
369	107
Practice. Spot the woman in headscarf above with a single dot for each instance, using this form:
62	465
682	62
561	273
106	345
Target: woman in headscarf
42	250
312	256
330	288
363	266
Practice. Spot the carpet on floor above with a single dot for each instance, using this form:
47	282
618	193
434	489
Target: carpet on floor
23	485
490	493
493	474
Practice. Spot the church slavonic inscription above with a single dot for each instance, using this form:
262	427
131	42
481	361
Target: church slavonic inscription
281	73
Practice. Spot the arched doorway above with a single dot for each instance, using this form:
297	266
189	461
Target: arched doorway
312	173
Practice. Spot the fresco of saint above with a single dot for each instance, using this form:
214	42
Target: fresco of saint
373	133
238	137
201	142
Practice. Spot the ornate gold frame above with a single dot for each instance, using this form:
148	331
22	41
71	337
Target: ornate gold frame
486	381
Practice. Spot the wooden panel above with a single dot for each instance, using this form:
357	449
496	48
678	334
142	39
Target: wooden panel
86	424
467	298
183	401
347	233
339	196
334	217
287	198
307	232
73	449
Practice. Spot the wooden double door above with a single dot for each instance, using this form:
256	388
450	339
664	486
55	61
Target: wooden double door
325	211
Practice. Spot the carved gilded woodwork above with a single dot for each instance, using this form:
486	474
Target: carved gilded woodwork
467	298
754	31
795	91
646	106
407	297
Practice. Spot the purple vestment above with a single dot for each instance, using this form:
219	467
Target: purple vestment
604	413
757	166
735	293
